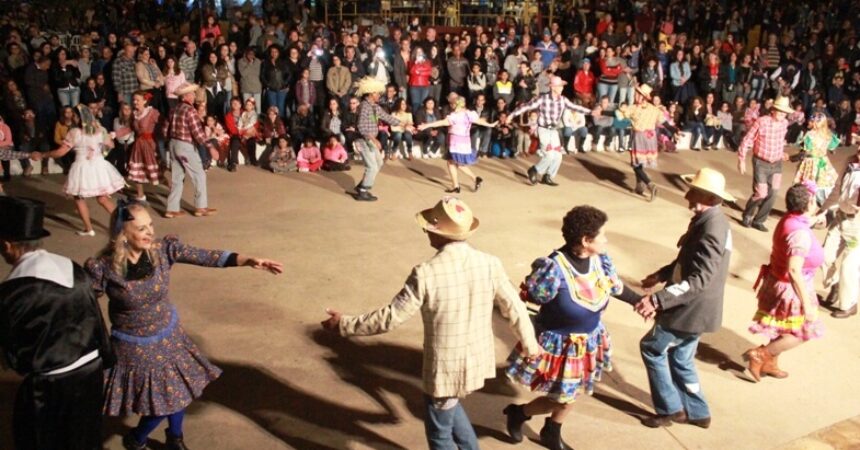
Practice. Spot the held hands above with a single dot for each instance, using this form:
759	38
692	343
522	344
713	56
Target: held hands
333	322
272	267
646	307
422	127
742	167
36	156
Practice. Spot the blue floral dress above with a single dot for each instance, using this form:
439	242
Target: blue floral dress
159	370
576	344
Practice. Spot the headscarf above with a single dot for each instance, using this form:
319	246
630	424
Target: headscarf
89	124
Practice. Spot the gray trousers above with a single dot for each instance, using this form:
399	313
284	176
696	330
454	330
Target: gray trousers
373	161
549	152
184	158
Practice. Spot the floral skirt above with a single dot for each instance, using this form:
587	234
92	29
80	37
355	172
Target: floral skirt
645	149
817	169
570	364
156	379
780	310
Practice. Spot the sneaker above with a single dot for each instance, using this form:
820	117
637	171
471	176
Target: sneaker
89	233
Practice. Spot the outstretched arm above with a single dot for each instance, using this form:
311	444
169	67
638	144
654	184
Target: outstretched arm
438	123
484	123
60	152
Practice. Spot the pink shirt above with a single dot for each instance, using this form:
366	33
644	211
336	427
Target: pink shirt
5	135
336	154
171	82
309	155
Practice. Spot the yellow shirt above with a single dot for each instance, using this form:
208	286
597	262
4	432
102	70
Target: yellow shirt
644	116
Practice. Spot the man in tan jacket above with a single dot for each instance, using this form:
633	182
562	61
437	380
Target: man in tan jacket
455	292
338	80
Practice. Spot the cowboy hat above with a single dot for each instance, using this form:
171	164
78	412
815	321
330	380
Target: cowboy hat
450	218
556	81
781	104
645	90
186	88
369	85
711	181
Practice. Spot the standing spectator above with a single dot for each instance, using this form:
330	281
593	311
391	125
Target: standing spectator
173	78
305	90
275	77
420	71
583	84
211	29
249	76
477	82
766	138
690	304
503	88
547	48
610	68
184	128
442	294
149	77
124	74
338	81
214	76
458	69
66	78
679	77
189	60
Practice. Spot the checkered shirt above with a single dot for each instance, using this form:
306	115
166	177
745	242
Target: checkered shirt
184	124
124	76
767	139
549	109
369	116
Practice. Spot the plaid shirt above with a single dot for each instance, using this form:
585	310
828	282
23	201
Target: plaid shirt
124	76
551	109
767	139
184	125
455	291
368	119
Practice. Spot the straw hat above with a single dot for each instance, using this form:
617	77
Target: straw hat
645	90
186	88
451	218
781	104
711	181
369	85
556	81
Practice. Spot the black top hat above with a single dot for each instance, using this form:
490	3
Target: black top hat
21	219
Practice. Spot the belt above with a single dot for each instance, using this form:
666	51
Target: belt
147	340
149	136
82	361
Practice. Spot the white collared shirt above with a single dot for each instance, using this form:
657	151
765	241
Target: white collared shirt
45	266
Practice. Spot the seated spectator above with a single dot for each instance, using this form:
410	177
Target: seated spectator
526	134
503	88
573	127
242	128
694	122
350	124
432	139
68	120
725	130
217	141
402	134
503	138
309	158
282	159
271	127
602	116
843	116
796	120
302	125
335	158
621	128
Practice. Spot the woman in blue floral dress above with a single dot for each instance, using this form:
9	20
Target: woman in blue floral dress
573	286
159	370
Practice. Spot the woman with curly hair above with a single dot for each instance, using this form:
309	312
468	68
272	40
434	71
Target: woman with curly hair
573	286
787	305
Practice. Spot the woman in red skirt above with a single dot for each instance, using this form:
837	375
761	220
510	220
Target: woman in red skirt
142	165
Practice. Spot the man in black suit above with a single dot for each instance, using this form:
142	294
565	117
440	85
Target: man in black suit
691	303
53	334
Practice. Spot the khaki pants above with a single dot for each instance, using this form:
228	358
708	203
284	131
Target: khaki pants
842	259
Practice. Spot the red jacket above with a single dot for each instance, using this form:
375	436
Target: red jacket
230	125
609	73
419	74
583	82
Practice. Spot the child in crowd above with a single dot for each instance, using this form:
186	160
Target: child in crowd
309	158
503	138
725	130
526	133
122	124
335	158
796	121
217	140
621	128
282	159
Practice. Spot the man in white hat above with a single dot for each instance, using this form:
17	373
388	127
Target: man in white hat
184	128
455	291
550	108
691	303
766	137
645	117
369	115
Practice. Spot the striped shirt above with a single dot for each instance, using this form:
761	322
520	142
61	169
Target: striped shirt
550	109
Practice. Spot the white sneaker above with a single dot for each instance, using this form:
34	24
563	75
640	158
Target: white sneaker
90	233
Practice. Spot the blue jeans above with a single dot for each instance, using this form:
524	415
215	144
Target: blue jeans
698	130
668	357
448	429
69	96
278	99
625	95
608	90
417	95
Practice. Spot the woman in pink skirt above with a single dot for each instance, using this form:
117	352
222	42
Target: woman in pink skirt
787	305
460	152
142	165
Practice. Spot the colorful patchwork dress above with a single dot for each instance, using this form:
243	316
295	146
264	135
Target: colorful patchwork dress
576	344
780	310
159	370
816	165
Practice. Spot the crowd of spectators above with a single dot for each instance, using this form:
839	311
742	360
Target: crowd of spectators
284	79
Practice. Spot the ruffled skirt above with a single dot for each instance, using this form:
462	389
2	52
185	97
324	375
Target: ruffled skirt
93	178
142	165
780	311
570	364
156	379
645	149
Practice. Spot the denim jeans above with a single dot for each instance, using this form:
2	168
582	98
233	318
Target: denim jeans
625	95
698	130
448	429
669	361
608	90
278	99
417	95
69	96
481	137
402	137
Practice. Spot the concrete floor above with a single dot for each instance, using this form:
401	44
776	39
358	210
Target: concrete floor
287	385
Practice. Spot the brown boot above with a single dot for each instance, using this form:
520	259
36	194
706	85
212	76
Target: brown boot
756	359
771	366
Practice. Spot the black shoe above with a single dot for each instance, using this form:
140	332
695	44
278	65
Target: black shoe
516	419
174	442
365	196
548	181
359	187
844	314
455	190
478	183
746	223
129	442
533	175
760	227
231	168
550	436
